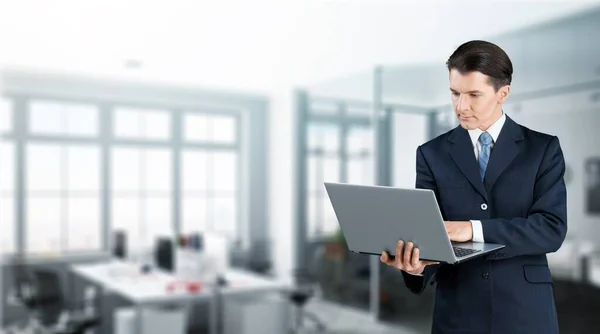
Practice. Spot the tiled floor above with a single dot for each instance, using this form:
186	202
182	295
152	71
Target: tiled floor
341	319
345	320
577	307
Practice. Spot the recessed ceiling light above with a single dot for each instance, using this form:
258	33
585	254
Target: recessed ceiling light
133	64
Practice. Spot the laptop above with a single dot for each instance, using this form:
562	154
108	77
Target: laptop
374	218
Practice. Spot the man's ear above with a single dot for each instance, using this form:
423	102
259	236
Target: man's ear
503	94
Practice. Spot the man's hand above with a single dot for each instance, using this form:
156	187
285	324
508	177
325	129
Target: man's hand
406	259
461	231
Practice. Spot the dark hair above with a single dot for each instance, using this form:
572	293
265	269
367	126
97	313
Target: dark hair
484	57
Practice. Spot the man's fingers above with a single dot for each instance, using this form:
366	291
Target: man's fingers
427	263
399	254
399	248
408	254
415	258
407	258
386	258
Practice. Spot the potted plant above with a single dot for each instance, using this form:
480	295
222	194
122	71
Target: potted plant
336	245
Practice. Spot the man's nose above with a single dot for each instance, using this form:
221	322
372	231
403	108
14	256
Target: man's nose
462	104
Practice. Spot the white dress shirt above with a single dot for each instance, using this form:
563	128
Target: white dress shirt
494	131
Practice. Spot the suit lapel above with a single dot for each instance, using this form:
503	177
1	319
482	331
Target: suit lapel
462	152
504	152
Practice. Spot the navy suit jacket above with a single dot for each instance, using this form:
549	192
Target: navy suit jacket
510	290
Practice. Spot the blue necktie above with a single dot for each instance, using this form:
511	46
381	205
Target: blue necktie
486	149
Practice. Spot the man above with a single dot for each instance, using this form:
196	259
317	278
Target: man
495	181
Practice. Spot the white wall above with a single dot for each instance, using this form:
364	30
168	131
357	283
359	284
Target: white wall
410	131
283	170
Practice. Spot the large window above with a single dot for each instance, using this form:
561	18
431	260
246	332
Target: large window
359	153
142	181
336	152
64	181
62	178
63	119
324	165
7	180
142	193
209	191
210	128
210	176
7	216
142	186
63	198
132	123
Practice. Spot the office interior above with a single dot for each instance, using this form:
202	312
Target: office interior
130	205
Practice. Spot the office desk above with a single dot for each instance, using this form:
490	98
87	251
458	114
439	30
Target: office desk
143	290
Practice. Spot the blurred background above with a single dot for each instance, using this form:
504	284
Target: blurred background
143	131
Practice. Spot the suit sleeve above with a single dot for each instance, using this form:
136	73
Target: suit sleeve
545	228
425	180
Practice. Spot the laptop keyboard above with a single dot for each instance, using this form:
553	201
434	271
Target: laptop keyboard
460	252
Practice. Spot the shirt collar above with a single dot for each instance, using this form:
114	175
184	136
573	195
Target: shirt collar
493	130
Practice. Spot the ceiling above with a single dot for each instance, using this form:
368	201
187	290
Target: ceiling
255	46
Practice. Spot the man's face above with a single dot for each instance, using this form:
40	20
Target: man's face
475	101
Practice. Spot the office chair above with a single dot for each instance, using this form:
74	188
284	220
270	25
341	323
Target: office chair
24	293
164	254
258	257
303	291
305	288
119	244
40	293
